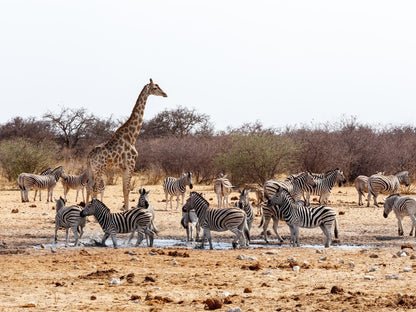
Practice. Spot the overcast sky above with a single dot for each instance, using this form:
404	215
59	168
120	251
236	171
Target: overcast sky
279	62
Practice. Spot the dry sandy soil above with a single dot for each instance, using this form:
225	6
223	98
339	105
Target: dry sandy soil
365	270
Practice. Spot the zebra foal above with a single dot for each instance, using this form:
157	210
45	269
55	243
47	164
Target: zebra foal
244	204
219	220
68	218
143	203
75	182
402	206
177	187
189	222
39	182
223	188
383	184
297	216
129	221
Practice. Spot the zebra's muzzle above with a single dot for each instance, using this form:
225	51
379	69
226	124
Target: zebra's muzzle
191	186
385	215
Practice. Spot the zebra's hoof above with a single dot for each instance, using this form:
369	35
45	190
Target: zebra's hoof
234	245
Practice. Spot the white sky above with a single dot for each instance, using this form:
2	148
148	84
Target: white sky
279	62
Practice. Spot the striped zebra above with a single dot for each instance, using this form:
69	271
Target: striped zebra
378	183
128	221
219	220
68	217
295	184
177	187
402	207
144	203
44	172
323	185
223	188
189	222
29	181
296	216
75	182
361	185
244	204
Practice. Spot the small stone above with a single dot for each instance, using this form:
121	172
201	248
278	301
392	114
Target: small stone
374	255
114	281
45	214
394	276
369	277
296	268
134	259
341	260
15	210
319	251
152	253
351	265
402	253
407	270
268	272
131	253
322	259
373	269
413	257
93	297
225	294
271	252
248	290
76	267
364	251
175	262
245	257
291	259
237	309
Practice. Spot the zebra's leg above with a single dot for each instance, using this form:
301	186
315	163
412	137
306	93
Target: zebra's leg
219	200
265	226
177	201
83	194
76	196
66	236
307	197
113	238
56	231
205	234
36	192
150	235
400	226
139	236
106	235
197	230
275	224
292	235
296	230
238	235
326	229
75	231
412	217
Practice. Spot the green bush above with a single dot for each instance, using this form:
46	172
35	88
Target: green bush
21	155
256	158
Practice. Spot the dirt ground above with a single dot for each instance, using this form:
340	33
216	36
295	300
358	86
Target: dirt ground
369	268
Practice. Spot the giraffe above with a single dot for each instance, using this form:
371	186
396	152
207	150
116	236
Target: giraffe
119	151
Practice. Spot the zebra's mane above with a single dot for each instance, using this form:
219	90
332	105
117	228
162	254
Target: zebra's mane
200	197
100	204
395	194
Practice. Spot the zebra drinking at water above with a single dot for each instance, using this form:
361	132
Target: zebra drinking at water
177	187
379	183
223	188
75	182
244	204
120	222
29	181
297	216
295	185
68	217
144	203
219	219
324	184
402	206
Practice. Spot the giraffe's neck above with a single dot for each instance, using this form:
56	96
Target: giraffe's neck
130	130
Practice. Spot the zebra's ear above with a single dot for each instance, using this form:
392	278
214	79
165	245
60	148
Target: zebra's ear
240	191
148	192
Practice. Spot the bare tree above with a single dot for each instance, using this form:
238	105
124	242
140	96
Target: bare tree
29	128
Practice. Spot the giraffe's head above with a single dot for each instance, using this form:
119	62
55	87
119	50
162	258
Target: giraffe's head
155	89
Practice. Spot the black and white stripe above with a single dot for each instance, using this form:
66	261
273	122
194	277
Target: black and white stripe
68	218
402	207
219	219
244	204
223	188
144	203
75	182
44	172
120	222
379	183
323	185
297	215
189	222
29	181
361	185
177	187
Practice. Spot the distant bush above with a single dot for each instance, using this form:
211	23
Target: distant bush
22	155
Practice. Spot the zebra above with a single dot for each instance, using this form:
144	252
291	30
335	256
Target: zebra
120	222
189	222
177	187
44	172
297	215
219	219
68	217
295	184
27	181
76	182
361	185
244	204
402	206
223	188
143	203
378	183
324	184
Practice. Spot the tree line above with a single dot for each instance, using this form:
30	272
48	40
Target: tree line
181	139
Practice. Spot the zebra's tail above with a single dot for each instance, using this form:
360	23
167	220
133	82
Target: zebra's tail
262	220
19	182
336	228
246	231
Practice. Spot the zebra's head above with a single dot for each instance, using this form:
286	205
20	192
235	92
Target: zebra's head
93	207
143	199
154	89
388	204
189	180
195	200
244	199
59	203
58	172
403	177
340	177
309	179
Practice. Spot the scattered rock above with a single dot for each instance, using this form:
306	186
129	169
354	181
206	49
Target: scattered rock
394	276
135	297
341	260
351	265
134	259
402	253
407	246
271	252
45	214
413	257
248	290
407	270
114	281
93	297
322	259
15	210
131	253
245	257
374	255
268	272
32	206
237	309
175	262
76	267
213	303
149	279
252	267
336	290
372	269
83	252
296	268
130	278
369	277
30	304
341	213
364	251
319	251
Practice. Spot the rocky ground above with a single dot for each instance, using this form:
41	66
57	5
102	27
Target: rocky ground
368	268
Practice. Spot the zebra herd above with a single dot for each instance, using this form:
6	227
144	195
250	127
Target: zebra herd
287	200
